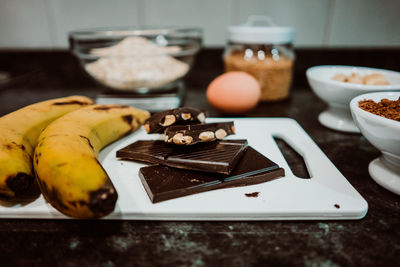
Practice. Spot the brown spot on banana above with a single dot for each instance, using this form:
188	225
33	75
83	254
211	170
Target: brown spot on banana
77	203
73	203
108	107
102	201
7	147
20	182
72	102
52	196
128	119
21	146
88	140
13	145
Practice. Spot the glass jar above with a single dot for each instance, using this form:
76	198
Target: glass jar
265	51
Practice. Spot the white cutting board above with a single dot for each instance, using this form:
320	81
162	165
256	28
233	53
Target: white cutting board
327	195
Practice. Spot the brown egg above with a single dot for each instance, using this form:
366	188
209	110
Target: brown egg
234	92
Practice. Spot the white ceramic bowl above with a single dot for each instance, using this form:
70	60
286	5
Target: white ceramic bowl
384	134
339	94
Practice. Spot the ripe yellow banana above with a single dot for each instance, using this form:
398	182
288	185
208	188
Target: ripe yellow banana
68	172
19	131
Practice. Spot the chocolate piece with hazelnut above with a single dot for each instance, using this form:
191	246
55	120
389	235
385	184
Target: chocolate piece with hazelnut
198	133
158	122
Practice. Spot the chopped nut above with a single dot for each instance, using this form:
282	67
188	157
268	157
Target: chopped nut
181	139
220	133
375	79
233	129
206	136
166	139
186	116
355	78
201	117
169	120
340	77
369	79
147	127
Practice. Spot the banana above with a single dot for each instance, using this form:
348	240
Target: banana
19	131
68	172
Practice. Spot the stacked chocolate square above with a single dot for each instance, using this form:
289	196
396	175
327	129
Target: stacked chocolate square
194	157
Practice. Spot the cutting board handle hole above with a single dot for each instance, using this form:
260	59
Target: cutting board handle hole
293	158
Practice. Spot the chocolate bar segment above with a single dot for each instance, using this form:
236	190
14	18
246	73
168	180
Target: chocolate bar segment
161	120
192	134
163	182
220	156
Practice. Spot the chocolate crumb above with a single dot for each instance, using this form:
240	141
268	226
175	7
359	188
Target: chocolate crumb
254	194
389	109
337	206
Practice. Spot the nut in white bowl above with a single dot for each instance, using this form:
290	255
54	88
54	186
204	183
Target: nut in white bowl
338	94
384	134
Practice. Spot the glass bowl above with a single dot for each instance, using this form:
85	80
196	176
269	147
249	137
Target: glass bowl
137	60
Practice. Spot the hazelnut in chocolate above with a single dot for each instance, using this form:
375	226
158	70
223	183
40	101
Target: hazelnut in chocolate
159	121
198	133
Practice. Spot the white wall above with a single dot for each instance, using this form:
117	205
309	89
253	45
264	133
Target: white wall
318	23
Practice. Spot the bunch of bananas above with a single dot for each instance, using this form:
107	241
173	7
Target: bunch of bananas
63	138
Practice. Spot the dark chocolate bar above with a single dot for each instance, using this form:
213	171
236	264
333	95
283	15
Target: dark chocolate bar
163	182
220	156
161	120
195	133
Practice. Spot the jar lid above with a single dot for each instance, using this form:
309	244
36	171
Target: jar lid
261	30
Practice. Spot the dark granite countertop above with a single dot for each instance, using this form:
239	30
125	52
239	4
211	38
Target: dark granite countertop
374	240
